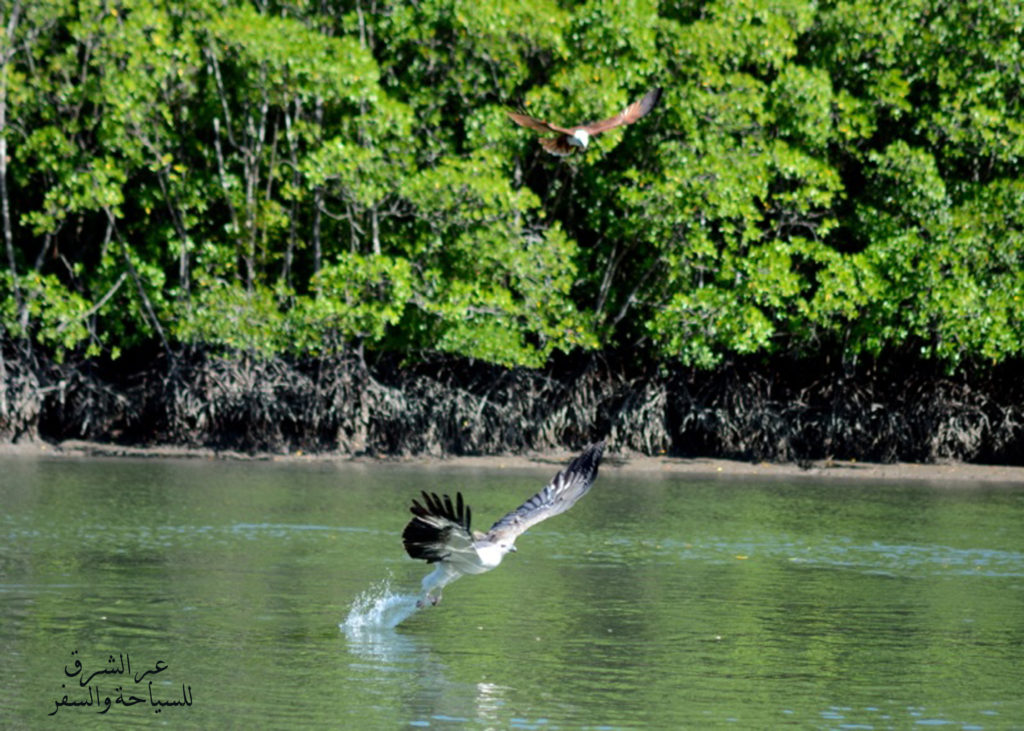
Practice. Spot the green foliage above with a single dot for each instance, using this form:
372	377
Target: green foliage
447	58
58	317
267	178
490	284
228	316
359	297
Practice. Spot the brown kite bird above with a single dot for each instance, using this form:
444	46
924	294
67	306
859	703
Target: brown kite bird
573	139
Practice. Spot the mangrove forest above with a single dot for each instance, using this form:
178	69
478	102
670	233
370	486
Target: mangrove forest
311	225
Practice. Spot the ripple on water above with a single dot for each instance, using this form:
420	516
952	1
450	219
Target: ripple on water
926	559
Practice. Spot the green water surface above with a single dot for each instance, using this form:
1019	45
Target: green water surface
657	602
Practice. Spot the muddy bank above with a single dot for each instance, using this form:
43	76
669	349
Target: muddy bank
789	412
953	473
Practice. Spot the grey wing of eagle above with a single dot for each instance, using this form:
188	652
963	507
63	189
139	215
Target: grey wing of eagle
559	495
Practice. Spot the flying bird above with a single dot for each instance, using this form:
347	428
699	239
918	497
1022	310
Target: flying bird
440	531
573	139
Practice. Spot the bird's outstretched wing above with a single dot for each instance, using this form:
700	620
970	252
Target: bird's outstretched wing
630	114
565	489
525	120
438	528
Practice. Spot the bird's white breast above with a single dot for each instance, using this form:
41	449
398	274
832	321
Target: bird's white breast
580	138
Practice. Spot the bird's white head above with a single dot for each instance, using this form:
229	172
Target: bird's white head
491	553
580	138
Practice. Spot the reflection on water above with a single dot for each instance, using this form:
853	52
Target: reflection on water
282	596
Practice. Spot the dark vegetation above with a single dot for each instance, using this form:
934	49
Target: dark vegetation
796	411
309	225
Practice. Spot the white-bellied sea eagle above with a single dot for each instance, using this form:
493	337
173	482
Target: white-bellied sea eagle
440	531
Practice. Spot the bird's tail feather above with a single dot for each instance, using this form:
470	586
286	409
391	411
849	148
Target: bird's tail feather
557	146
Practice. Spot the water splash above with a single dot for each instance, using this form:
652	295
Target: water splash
379	608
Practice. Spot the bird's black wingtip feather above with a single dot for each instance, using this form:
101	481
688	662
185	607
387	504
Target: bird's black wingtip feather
651	99
423	541
588	461
442	507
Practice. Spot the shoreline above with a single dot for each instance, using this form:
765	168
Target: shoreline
957	472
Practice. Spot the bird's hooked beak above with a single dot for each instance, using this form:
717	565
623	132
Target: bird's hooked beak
511	549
